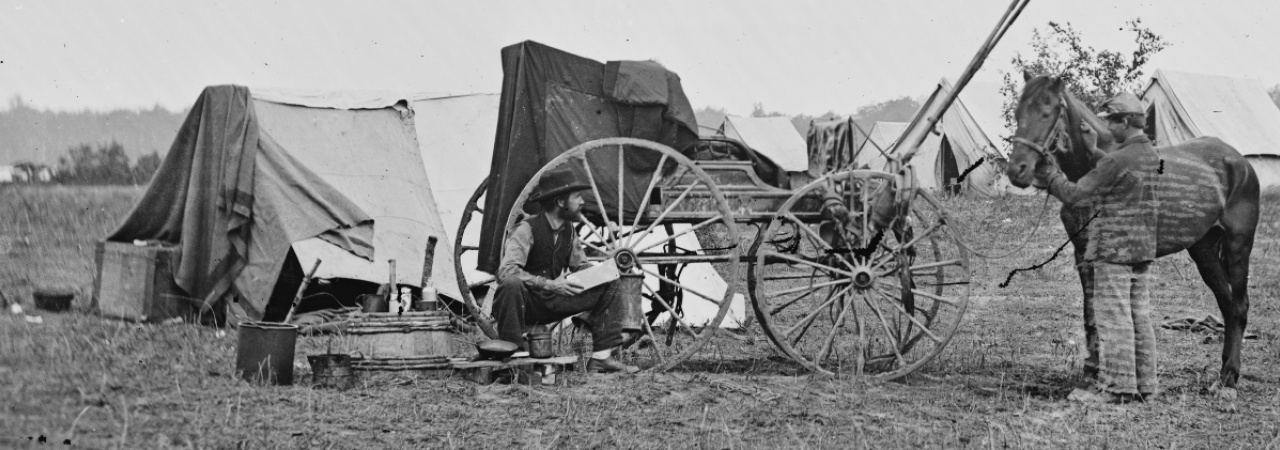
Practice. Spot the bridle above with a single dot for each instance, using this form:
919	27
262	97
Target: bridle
1056	141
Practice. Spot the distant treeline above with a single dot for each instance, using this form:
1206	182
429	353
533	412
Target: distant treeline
38	136
85	164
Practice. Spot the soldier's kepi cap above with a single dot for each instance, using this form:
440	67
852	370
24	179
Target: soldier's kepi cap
556	182
1123	103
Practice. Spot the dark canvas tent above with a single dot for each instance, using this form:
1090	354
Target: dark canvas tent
552	101
250	175
833	145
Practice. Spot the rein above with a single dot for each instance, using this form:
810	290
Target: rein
1055	142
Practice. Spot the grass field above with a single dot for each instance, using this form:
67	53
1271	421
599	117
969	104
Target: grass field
1001	383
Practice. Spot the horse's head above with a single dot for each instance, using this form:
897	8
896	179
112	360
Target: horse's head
1042	110
1049	123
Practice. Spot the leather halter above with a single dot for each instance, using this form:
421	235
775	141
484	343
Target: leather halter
1057	140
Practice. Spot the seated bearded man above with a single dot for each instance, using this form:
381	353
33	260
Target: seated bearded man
531	290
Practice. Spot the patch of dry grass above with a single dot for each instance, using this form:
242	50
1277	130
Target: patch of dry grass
1000	384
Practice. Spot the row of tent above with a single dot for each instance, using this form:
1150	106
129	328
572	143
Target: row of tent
322	167
969	139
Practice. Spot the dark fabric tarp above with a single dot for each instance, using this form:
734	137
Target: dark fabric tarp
833	146
553	101
234	200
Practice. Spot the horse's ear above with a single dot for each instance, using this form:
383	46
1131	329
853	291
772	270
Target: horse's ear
1026	76
1055	83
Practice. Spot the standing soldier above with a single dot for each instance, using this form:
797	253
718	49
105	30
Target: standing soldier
1121	246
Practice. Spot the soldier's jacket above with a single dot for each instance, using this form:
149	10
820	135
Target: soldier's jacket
1122	190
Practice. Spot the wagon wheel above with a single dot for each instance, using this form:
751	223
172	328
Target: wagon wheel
835	309
636	241
462	247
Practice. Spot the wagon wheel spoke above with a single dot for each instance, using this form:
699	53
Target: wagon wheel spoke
591	230
672	311
604	213
890	334
667	210
845	307
814	237
644	204
679	285
653	341
909	317
803	324
673	237
936	298
622	176
802	261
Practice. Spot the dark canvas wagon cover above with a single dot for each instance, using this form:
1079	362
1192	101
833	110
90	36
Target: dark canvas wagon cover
552	101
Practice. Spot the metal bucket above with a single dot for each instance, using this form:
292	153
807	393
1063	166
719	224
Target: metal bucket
264	352
331	371
53	299
373	303
540	345
627	315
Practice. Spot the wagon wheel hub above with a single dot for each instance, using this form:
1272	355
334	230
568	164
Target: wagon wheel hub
863	277
625	259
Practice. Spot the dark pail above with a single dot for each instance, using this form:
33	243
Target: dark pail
627	316
331	371
540	345
373	303
53	300
264	352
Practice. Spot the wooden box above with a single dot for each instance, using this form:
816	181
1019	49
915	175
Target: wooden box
408	335
136	283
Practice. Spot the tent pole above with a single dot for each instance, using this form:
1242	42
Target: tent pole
916	135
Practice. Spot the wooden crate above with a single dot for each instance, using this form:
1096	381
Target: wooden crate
136	283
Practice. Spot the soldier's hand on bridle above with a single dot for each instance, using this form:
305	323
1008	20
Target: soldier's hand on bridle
1046	167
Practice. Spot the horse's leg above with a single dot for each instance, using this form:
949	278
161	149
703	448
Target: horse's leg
1237	246
1072	221
1207	254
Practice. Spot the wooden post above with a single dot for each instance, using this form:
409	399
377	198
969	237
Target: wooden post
297	298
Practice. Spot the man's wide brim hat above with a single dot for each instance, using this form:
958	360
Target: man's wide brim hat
556	182
1123	103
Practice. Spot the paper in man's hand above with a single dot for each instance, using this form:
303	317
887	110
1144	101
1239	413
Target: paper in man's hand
596	275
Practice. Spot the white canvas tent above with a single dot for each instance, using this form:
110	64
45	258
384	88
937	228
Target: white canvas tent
336	176
385	177
1184	106
880	140
455	139
773	137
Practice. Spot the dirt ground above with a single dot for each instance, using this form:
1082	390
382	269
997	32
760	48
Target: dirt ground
1001	383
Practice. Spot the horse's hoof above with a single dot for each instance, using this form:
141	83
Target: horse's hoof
1223	393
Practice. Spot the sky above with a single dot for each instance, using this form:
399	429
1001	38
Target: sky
793	57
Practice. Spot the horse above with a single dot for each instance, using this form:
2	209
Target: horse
1208	196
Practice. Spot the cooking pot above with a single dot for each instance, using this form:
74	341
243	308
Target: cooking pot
539	345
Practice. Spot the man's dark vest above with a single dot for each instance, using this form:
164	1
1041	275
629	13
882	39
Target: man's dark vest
548	257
